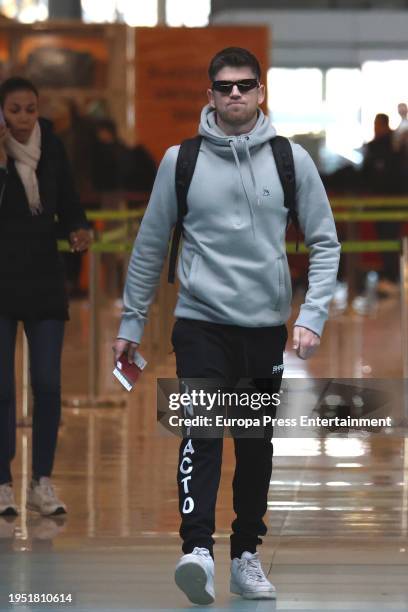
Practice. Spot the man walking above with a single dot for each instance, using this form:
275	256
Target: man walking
234	300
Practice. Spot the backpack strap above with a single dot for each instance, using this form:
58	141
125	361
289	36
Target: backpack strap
285	165
185	166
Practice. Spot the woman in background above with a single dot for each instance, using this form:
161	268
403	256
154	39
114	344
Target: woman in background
36	186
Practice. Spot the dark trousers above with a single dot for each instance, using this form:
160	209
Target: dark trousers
45	340
226	353
390	231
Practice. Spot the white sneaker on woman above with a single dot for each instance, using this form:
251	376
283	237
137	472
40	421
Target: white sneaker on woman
248	578
7	502
195	576
42	498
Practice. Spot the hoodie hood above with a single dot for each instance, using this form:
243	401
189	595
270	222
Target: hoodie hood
260	133
239	149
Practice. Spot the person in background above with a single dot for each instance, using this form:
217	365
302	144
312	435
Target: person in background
115	166
107	158
381	176
74	130
36	184
116	170
140	170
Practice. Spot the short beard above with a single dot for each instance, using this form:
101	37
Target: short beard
237	120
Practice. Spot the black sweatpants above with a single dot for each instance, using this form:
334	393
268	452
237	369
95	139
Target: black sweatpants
227	353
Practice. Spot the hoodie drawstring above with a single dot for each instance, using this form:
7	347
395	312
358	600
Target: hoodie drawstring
238	163
251	169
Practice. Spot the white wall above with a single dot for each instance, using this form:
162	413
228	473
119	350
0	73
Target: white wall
328	38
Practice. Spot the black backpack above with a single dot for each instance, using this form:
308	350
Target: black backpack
186	162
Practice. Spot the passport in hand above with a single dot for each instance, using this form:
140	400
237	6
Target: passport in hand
128	373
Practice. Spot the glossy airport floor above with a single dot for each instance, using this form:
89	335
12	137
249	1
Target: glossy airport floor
337	511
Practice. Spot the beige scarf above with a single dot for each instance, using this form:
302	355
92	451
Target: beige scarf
26	157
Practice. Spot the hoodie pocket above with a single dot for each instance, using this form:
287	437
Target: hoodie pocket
242	289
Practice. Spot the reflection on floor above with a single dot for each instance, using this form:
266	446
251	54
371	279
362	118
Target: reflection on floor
337	512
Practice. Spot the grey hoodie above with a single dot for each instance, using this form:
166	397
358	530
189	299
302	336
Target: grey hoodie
232	266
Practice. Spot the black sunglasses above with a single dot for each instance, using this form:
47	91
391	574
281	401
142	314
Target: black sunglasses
226	87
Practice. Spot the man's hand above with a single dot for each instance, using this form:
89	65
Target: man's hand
80	240
124	347
305	342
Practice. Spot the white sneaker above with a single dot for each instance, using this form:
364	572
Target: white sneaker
195	576
42	498
248	579
7	502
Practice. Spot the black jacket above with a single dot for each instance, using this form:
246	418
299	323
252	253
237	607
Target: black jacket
381	167
31	271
